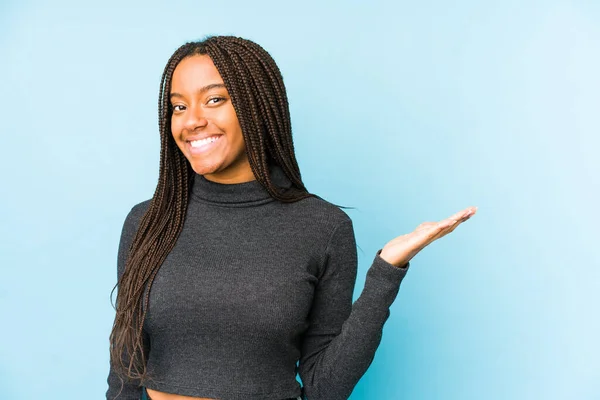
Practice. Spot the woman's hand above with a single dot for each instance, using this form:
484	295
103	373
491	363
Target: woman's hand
402	249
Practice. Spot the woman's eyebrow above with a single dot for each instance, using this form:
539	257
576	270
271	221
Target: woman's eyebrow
201	90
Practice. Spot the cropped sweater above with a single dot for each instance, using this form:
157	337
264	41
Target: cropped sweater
254	292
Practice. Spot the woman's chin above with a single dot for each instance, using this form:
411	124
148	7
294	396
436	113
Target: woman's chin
204	168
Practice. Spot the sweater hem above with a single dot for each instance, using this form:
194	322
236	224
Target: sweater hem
224	394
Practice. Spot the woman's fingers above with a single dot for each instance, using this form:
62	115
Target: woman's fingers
449	224
435	230
428	232
461	216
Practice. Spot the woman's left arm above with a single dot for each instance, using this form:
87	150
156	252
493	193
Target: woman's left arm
340	343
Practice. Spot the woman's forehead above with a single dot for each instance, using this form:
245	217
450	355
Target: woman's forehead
195	72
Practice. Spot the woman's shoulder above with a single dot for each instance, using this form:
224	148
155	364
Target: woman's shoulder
141	207
321	211
136	213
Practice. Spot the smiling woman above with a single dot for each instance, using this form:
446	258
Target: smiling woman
233	278
204	123
217	156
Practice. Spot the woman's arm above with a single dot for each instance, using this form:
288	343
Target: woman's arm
342	338
340	343
122	388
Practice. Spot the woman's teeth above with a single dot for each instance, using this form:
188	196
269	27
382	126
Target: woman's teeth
202	142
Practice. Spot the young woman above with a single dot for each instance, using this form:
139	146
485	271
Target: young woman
232	273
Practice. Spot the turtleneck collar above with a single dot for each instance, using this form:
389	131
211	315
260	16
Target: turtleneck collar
233	194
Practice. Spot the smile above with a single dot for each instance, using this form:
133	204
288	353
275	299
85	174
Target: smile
203	145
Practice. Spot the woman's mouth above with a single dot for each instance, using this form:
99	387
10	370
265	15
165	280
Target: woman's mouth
203	145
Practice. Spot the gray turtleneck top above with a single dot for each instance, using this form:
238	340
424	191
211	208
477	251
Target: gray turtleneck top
253	286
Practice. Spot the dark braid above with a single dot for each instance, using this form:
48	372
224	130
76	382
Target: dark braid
258	95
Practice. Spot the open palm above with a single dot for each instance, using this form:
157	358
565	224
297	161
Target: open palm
402	249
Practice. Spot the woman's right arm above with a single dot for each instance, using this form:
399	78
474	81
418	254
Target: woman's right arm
122	388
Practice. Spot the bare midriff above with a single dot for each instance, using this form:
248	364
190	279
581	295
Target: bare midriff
156	395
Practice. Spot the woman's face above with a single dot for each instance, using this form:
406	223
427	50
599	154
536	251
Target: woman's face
204	123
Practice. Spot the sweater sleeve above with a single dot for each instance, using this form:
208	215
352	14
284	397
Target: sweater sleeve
340	343
130	390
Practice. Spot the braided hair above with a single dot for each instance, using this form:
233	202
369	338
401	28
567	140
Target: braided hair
259	98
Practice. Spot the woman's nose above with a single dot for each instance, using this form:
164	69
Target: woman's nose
196	118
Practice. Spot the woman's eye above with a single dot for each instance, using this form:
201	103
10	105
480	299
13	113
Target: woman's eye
218	99
175	107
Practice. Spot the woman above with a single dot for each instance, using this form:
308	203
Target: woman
233	272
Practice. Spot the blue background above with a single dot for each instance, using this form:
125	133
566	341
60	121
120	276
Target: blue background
408	111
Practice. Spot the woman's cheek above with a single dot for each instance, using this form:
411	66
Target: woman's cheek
174	130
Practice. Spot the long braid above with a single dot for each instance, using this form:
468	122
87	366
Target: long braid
255	133
258	95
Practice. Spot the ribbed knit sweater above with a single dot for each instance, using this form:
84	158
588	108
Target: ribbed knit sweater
253	286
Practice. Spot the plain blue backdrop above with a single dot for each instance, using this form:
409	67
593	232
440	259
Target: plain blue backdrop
408	111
